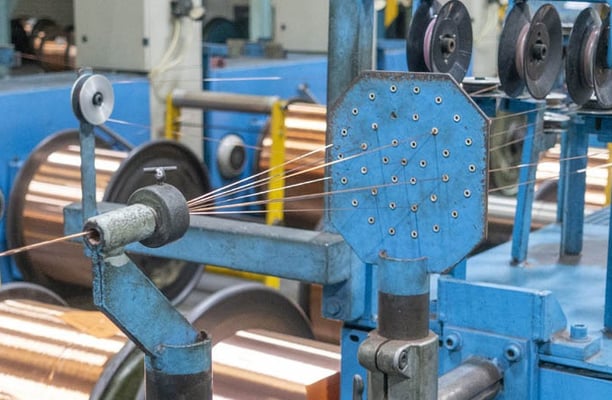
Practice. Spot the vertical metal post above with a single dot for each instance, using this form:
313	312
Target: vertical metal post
260	20
527	174
350	46
572	224
562	177
608	298
88	169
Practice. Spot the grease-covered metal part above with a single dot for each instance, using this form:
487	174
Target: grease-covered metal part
171	213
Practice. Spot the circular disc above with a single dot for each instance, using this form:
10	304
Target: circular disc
93	99
509	75
581	45
415	52
543	51
602	74
451	41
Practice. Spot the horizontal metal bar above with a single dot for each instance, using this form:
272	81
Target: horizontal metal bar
304	255
222	101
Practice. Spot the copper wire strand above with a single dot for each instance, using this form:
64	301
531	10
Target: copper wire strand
45	243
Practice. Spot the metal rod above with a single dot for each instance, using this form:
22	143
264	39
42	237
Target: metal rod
223	101
475	379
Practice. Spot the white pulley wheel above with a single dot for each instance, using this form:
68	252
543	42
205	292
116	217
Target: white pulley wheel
93	99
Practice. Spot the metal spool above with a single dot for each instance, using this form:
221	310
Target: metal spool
305	126
580	59
442	43
69	353
602	72
530	53
50	180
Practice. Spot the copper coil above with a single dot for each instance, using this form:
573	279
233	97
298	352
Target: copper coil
305	126
52	352
51	179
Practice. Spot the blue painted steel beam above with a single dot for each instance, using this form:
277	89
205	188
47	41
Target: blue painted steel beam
527	174
574	187
308	256
351	41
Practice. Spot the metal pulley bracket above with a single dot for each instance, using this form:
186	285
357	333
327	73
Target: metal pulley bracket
92	98
408	168
440	43
530	51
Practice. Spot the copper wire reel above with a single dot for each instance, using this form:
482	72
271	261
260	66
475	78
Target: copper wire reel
586	64
440	42
530	51
53	352
50	179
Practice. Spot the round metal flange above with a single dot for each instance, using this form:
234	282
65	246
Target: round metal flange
450	49
602	75
510	51
543	51
580	59
92	99
415	43
29	291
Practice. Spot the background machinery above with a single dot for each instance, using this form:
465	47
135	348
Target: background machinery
378	186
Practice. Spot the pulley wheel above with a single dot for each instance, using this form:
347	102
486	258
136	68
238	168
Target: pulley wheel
450	48
92	99
603	74
509	56
581	50
415	51
543	51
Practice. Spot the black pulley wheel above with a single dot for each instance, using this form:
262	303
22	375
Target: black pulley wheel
450	49
543	52
603	73
510	51
580	58
415	51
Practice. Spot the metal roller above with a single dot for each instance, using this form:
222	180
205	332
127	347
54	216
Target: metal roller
440	43
305	126
53	352
50	180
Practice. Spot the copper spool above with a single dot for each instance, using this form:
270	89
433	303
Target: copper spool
52	352
51	179
305	126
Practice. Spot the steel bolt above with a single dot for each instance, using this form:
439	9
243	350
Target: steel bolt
333	307
578	332
512	352
452	342
402	360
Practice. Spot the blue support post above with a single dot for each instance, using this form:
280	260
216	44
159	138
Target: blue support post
608	298
574	188
562	178
88	169
527	174
177	357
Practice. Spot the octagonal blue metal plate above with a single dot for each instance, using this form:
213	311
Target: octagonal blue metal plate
409	168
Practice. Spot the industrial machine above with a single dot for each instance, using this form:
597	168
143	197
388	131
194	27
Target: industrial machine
400	198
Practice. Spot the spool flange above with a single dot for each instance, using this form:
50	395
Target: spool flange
581	50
